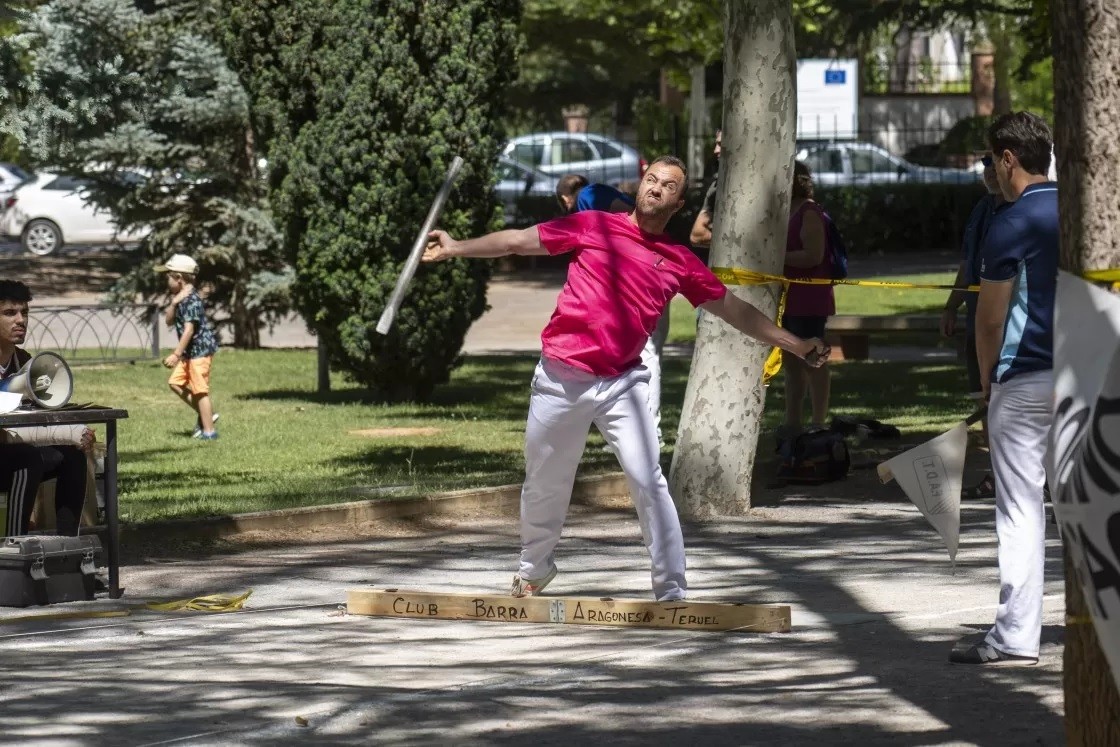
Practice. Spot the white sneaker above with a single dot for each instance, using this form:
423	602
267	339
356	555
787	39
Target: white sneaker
525	587
198	426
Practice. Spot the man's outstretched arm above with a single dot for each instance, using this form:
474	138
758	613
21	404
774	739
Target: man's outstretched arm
498	244
750	321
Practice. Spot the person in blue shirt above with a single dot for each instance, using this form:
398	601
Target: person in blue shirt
1014	346
575	194
968	273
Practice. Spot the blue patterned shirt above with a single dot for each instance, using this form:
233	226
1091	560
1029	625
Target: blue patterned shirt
203	342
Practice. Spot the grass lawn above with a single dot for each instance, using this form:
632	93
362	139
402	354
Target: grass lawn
857	300
283	445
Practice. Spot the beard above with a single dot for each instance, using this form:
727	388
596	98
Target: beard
653	209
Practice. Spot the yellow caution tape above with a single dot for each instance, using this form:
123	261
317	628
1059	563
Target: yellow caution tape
740	276
207	603
1102	276
774	361
67	616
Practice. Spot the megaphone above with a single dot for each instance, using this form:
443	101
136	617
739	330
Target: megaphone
45	381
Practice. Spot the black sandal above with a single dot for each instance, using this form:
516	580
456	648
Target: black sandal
986	488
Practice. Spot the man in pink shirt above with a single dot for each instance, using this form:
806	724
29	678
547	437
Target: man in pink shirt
623	273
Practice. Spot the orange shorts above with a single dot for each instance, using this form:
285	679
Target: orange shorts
193	374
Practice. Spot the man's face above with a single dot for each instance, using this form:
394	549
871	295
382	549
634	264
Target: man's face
1004	163
661	193
13	322
719	144
174	282
990	180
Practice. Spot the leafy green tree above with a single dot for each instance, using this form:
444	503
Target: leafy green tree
599	52
140	103
361	105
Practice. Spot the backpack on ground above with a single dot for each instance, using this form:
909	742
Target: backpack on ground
817	455
839	250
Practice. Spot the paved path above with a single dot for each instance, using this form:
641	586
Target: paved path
876	609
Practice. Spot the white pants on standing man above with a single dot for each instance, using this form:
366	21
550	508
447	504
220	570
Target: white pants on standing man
564	404
1019	418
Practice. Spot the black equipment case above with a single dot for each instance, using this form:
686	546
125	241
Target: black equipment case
47	569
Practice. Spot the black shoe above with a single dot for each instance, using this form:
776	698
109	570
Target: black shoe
985	653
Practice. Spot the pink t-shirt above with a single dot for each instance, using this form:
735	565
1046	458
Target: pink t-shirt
620	280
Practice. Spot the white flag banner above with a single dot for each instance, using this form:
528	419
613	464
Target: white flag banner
1084	458
931	476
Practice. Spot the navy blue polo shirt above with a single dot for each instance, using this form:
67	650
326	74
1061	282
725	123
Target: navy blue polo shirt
974	232
599	197
1021	247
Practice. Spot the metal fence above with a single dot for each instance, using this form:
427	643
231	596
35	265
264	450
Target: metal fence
920	76
96	333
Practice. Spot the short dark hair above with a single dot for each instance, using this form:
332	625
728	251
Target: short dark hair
671	161
15	291
1027	136
569	185
802	181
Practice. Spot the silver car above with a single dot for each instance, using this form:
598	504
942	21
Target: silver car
853	163
525	193
597	157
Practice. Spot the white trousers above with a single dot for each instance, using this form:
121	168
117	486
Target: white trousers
1019	419
651	359
565	402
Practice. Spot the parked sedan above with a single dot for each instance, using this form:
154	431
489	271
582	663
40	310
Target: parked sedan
597	157
523	191
50	210
11	176
858	164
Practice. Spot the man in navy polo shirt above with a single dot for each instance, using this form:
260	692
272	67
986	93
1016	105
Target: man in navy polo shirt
1014	346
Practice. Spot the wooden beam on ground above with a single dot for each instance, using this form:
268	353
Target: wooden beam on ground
631	613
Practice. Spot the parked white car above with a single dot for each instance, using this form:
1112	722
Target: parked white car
50	210
851	163
11	176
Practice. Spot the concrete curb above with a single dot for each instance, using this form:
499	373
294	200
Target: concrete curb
591	490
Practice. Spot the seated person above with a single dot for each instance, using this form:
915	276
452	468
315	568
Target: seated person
28	456
575	195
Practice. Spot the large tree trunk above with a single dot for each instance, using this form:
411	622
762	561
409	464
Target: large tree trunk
1087	107
1001	62
714	457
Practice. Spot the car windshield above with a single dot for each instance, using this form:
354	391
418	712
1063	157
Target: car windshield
508	171
871	162
19	173
530	153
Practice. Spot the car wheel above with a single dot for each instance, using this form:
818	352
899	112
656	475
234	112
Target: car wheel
41	237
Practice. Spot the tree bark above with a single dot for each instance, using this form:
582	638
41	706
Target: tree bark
1001	64
1087	106
715	451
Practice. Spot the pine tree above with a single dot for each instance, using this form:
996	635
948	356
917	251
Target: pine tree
361	105
137	99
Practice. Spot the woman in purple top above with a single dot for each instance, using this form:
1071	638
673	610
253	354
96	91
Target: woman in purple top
807	306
